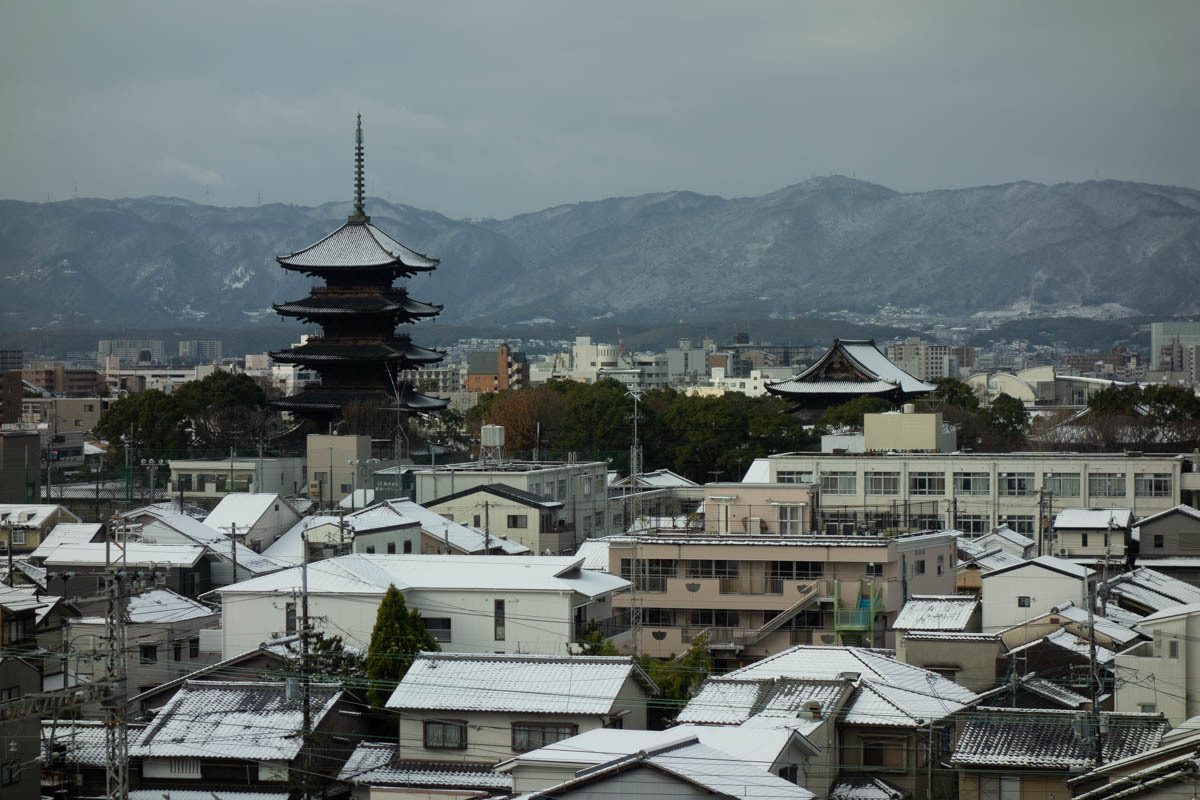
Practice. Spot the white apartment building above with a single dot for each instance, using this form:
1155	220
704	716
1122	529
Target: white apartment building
1163	675
581	486
588	358
975	492
925	361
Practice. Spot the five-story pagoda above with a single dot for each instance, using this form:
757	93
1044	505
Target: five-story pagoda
358	354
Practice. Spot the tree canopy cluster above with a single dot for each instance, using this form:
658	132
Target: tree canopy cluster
1157	417
399	635
694	436
218	411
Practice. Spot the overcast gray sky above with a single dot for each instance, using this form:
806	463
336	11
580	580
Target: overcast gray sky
496	108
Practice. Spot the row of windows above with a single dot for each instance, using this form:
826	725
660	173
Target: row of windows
1008	484
451	734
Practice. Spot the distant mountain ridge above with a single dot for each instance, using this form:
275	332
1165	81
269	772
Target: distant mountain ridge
822	245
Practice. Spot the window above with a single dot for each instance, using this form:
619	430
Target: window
972	483
498	619
926	522
600	521
11	693
518	520
1173	648
874	570
653	573
881	753
707	568
438	627
927	483
345	488
972	524
194	647
1148	708
797	570
183	767
10	773
407	547
1061	484
659	616
371	550
790	773
289	619
791	520
476	521
941	565
716	617
17	534
532	735
177	652
995	787
1015	484
1157	484
791	476
1021	523
1106	484
148	654
1023	601
883	483
839	483
562	489
919	567
445	734
587	484
1158	540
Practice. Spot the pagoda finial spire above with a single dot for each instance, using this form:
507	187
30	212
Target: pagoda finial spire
360	215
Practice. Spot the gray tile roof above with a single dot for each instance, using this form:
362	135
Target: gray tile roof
1049	739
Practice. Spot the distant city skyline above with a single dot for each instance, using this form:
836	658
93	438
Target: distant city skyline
483	109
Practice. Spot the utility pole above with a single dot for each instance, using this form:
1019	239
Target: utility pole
1094	679
116	732
487	527
635	509
233	542
305	694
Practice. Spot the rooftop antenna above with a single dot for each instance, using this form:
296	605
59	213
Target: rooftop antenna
359	217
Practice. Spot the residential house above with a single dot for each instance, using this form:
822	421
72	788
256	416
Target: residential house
780	750
683	769
1092	533
258	664
1009	541
247	734
1166	772
257	518
481	708
758	595
42	617
180	568
894	714
975	562
527	604
24	526
375	771
18	733
500	510
1145	591
581	486
967	658
1066	659
1011	752
1163	674
75	757
165	525
1032	691
1019	592
1169	542
163	635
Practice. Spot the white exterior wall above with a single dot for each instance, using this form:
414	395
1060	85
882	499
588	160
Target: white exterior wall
531	626
1044	587
1148	676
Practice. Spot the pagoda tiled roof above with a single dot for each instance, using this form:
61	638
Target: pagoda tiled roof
318	401
399	349
358	245
393	302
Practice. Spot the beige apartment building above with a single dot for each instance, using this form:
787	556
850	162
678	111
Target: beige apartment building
756	595
974	492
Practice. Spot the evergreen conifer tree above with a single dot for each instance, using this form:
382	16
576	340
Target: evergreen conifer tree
398	636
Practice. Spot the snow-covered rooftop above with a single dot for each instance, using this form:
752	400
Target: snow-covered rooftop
242	509
376	764
66	533
1061	565
1050	739
730	701
594	553
163	605
133	553
358	573
32	514
936	613
516	683
462	537
1151	590
1093	518
223	719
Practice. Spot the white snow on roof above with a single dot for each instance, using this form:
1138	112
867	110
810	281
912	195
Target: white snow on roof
1113	630
999	559
1069	641
731	701
758	472
1182	508
1054	563
23	598
1152	589
358	573
243	509
66	533
462	537
1093	518
163	605
1009	535
936	613
714	770
594	553
34	514
376	764
134	553
864	787
225	719
514	683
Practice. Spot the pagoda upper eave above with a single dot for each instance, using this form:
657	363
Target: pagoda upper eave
316	306
398	350
324	401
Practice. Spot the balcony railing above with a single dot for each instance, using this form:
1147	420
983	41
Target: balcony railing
610	627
